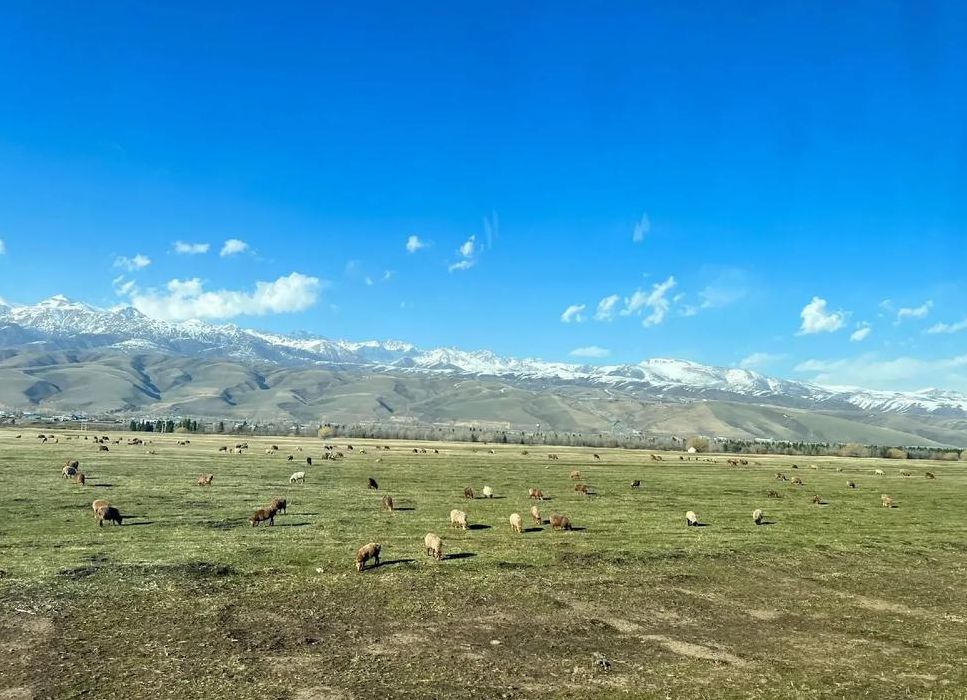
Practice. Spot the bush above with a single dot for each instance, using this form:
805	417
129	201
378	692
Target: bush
854	450
896	453
699	443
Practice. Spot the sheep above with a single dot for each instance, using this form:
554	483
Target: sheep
206	479
636	484
458	519
813	466
575	474
536	494
371	484
107	513
103	448
560	522
850	484
268	450
583	488
516	524
261	515
536	514
433	545
365	553
930	475
797	482
81	479
691	519
69	472
387	503
878	472
904	473
468	493
72	463
98	504
278	505
774	494
308	461
488	492
781	477
757	516
817	499
298	476
886	501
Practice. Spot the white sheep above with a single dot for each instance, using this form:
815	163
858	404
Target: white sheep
691	518
878	472
488	492
757	516
434	545
516	523
298	476
458	519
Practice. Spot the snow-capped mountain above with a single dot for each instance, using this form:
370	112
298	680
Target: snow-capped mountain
61	324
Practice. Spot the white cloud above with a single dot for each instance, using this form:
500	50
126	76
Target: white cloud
917	312
901	373
187	299
462	265
123	287
468	251
590	351
388	275
183	248
948	327
606	307
3	247
862	331
642	228
656	300
368	281
572	314
759	360
413	244
729	285
138	262
816	319
233	246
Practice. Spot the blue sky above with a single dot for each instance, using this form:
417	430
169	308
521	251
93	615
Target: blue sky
795	172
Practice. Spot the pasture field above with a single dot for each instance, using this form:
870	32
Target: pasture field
186	600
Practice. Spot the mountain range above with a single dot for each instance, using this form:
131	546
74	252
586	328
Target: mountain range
60	355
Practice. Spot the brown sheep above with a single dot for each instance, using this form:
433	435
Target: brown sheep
817	499
367	552
781	477
583	488
223	448
575	474
103	448
107	513
930	475
98	504
560	522
536	494
387	503
261	515
636	484
371	484
278	505
851	484
289	458
206	479
905	473
886	501
797	482
468	493
81	479
458	519
433	545
774	494
536	514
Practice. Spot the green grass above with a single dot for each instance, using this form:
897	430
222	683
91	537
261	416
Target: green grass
846	599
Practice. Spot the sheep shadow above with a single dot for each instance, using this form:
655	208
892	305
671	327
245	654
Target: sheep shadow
700	525
291	525
459	555
533	529
479	526
101	486
140	522
404	509
394	562
495	498
578	529
767	522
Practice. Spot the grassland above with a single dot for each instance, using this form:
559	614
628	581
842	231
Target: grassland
844	599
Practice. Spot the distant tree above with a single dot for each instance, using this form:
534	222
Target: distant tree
324	431
221	427
854	450
896	453
698	442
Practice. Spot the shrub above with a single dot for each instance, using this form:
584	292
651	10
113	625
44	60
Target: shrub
896	453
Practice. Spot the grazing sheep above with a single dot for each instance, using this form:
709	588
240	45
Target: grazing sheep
781	477
691	519
387	503
516	524
636	484
774	494
757	516
878	472
930	475
278	505
433	545
107	513
797	482
103	448
904	473
69	472
98	504
458	519
206	479
817	499
491	451
560	522
536	514
261	515
813	466
72	463
524	452
536	494
81	479
223	448
371	484
851	484
308	461
289	458
575	474
468	493
886	501
367	552
488	492
839	469
583	488
298	476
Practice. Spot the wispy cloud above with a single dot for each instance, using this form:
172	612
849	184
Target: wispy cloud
728	286
642	229
233	246
861	333
948	327
187	299
897	373
414	243
468	252
817	319
917	312
760	360
183	248
122	286
606	308
138	262
592	351
655	301
3	247
461	265
573	313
